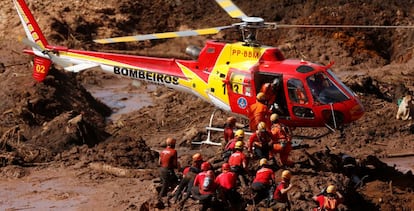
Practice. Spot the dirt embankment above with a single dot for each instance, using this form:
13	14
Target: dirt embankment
59	123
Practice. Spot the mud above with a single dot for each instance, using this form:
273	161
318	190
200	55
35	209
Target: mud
60	148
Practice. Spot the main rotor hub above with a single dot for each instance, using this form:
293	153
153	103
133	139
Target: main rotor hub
253	22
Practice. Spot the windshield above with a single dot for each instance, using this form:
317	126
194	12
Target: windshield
324	90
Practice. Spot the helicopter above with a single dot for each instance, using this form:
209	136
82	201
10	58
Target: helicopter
227	75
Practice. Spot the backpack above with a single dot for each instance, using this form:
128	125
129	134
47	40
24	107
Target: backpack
329	204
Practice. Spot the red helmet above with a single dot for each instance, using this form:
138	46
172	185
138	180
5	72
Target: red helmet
231	120
210	174
205	166
225	167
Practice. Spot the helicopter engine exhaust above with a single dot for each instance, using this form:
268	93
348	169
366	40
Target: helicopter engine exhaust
193	51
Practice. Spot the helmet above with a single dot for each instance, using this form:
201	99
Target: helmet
263	161
170	141
276	82
231	120
265	88
239	133
286	174
331	189
261	126
197	157
239	145
225	167
260	96
274	117
210	174
205	166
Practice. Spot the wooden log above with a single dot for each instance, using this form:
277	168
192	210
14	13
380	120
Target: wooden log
120	172
403	154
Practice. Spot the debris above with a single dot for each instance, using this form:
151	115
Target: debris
405	108
403	154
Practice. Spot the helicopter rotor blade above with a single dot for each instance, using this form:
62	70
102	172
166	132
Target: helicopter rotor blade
273	25
163	35
52	56
231	9
31	44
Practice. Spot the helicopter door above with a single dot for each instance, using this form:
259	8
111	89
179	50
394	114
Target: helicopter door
299	105
272	86
239	91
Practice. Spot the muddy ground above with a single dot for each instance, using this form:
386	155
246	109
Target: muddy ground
62	150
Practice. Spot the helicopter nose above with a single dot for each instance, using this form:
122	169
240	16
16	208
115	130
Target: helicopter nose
357	111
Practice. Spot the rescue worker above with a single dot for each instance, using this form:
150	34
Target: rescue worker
228	129
258	112
317	85
168	161
282	141
238	162
229	148
226	186
267	90
329	199
204	186
271	90
183	190
263	181
280	197
260	141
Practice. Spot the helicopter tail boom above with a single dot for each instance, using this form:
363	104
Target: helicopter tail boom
35	39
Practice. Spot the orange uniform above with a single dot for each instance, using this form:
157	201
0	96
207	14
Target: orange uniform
282	143
258	112
270	95
259	144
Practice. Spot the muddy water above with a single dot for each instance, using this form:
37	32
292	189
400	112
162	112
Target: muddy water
50	191
123	96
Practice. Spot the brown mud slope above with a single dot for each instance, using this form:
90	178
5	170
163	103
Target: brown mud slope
58	123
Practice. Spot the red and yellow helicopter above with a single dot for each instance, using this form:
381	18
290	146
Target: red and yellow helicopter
228	75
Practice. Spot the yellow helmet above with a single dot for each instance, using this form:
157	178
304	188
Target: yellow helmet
170	141
261	96
239	133
331	189
286	174
239	145
262	162
197	157
274	117
261	126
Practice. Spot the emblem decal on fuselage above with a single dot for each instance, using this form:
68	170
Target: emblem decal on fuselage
242	102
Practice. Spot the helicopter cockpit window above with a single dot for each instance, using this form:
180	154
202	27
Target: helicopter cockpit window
296	91
340	82
324	90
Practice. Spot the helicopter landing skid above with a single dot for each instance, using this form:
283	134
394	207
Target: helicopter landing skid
209	129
